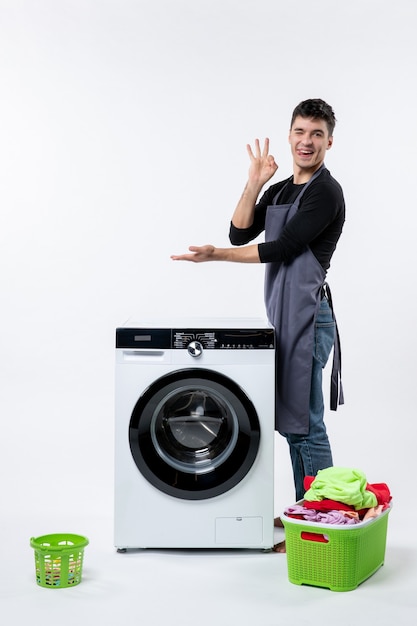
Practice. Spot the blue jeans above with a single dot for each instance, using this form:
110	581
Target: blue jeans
310	453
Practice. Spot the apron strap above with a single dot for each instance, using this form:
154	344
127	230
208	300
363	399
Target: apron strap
300	195
336	387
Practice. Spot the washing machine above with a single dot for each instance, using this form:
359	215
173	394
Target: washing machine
194	434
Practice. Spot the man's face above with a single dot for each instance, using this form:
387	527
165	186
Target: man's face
309	139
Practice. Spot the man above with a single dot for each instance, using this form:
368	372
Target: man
302	217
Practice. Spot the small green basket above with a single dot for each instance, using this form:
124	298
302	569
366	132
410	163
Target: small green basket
339	557
59	560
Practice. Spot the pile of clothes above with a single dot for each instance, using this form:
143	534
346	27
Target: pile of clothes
339	495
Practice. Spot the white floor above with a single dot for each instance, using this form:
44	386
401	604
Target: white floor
194	587
58	477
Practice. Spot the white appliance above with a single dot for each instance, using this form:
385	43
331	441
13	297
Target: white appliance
194	440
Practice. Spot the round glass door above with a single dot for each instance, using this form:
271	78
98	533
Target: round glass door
194	434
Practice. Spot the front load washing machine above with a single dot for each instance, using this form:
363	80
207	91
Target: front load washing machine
194	434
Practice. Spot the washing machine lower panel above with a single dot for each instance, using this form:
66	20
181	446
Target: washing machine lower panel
241	518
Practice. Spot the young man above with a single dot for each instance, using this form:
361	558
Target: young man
303	218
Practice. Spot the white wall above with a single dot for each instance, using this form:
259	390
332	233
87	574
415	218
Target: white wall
123	127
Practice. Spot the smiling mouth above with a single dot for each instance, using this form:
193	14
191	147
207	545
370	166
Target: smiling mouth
305	153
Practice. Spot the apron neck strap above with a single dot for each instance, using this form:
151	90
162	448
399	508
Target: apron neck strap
300	195
315	175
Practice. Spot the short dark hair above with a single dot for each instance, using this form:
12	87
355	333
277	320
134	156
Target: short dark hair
317	109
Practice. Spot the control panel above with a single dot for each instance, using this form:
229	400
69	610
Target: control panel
180	339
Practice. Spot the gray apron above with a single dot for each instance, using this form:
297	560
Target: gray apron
292	296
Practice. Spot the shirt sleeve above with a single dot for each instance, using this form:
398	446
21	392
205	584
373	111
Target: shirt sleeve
318	208
242	236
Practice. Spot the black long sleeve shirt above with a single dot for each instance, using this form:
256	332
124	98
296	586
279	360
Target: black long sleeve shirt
317	223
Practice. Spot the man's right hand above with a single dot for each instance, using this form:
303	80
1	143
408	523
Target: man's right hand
262	168
263	165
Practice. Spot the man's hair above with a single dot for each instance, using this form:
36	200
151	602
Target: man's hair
317	109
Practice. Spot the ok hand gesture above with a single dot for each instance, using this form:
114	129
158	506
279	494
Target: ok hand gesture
263	165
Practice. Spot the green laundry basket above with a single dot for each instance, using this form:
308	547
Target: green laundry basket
339	557
59	559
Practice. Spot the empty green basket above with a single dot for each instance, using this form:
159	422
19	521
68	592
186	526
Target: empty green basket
59	559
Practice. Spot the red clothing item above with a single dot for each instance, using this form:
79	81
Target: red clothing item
327	505
381	491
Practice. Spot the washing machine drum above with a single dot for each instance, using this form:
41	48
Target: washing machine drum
194	434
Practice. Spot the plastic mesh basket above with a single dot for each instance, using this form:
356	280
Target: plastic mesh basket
337	557
59	559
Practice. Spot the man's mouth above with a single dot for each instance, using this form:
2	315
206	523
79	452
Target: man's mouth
305	153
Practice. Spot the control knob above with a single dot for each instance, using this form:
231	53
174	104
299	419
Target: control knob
195	348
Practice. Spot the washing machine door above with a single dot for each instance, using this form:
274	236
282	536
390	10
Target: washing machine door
194	434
